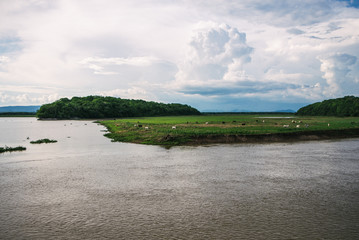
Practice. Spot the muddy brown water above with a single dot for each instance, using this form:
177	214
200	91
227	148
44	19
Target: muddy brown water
87	187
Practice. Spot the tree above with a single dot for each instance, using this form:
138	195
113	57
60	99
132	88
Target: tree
110	107
340	107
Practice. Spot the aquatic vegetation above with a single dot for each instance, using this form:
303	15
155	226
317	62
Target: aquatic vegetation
45	140
11	149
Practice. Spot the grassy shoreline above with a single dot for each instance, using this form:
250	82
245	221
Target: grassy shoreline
230	128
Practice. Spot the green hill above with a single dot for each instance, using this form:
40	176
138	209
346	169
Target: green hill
341	107
110	107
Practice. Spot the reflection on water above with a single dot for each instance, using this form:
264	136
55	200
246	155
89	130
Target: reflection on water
86	187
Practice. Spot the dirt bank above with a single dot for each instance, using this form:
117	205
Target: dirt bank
275	137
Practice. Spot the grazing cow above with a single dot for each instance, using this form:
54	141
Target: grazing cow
286	126
243	124
328	125
298	126
139	125
173	127
206	123
146	128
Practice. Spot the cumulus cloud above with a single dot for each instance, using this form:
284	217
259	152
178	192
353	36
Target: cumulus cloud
263	50
336	70
215	57
216	65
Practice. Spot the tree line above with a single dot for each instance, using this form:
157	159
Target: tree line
110	107
341	107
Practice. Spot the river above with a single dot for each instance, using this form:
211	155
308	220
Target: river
87	187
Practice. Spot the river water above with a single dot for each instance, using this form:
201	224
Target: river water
87	187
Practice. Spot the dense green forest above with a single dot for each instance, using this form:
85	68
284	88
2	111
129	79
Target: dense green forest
110	107
341	107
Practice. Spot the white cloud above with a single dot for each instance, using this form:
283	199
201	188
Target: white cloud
11	98
99	64
4	60
268	50
218	64
131	93
336	68
215	57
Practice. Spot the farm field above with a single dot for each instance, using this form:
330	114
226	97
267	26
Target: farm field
184	130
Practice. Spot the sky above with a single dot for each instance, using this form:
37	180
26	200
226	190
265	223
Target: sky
215	55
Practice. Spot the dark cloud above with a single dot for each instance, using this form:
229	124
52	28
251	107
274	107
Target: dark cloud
351	3
345	59
279	12
295	31
238	88
333	27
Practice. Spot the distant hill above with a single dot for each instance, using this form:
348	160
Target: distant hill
19	109
245	111
341	107
110	107
285	111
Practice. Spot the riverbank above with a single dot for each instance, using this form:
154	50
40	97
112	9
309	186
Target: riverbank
276	137
209	129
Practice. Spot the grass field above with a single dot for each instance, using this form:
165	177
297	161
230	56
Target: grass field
180	130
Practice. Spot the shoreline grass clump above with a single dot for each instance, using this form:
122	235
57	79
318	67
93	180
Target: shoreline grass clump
12	149
233	128
45	140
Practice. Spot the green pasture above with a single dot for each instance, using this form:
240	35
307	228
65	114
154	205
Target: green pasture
179	130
